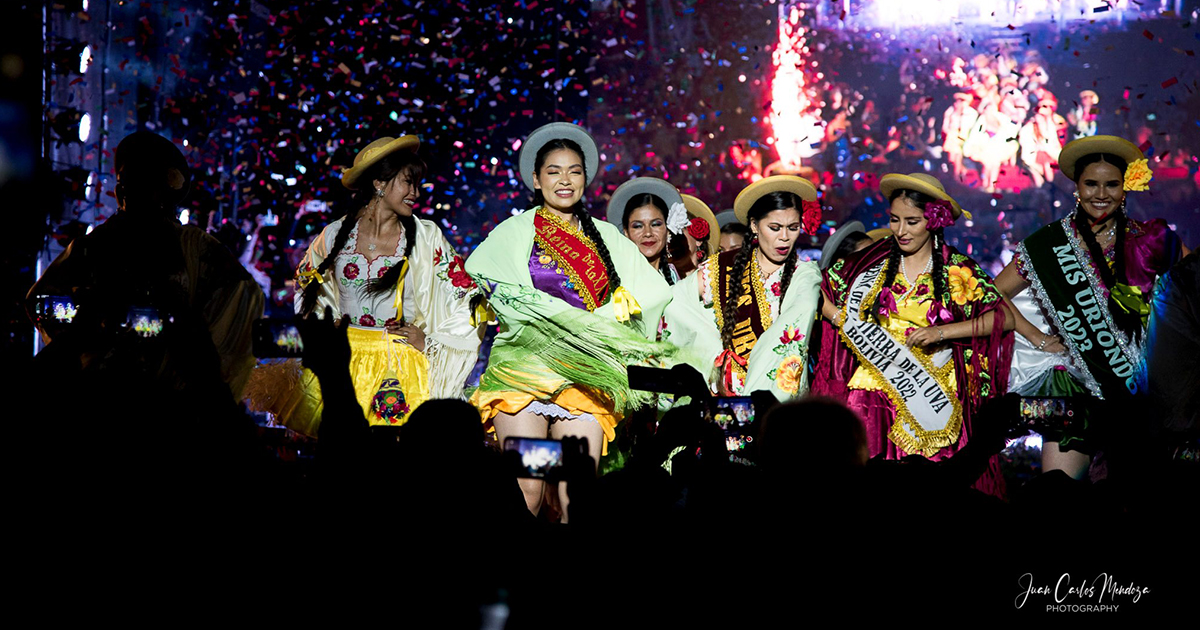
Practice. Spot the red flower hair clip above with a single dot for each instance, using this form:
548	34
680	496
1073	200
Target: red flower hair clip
811	216
698	228
938	214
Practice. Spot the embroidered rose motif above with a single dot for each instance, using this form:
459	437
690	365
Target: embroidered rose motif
922	289
350	271
391	322
383	270
887	303
366	320
458	275
437	256
790	334
777	289
964	286
787	377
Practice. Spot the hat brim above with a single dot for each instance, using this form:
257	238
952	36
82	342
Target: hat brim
725	217
697	208
776	183
835	240
878	234
892	182
371	155
1076	149
556	131
639	186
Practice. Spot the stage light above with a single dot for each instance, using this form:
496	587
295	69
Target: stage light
85	127
796	128
85	59
68	125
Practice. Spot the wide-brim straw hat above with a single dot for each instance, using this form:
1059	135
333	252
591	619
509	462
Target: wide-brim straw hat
699	209
922	183
725	217
1076	149
660	188
878	234
768	185
835	240
374	152
558	131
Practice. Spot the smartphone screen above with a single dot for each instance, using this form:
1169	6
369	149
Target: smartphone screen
56	308
736	417
277	338
538	457
1044	408
144	321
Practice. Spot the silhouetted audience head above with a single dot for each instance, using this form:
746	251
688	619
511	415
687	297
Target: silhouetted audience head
152	174
815	434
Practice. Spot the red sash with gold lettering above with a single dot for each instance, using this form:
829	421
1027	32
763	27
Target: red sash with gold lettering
575	254
753	310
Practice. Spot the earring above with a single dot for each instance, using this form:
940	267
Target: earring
1122	209
379	192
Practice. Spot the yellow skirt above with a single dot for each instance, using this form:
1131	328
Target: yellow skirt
575	399
390	380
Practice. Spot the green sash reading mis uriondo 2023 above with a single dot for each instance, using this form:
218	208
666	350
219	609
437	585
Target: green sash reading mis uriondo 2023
1074	298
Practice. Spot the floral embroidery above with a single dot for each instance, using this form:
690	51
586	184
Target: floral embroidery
383	270
367	319
777	289
790	370
964	286
350	271
389	404
458	276
787	375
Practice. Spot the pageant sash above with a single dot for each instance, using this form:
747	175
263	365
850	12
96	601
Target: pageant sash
753	311
1070	292
575	254
928	415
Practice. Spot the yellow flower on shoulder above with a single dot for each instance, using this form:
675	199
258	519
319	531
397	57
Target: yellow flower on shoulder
1138	176
964	286
787	376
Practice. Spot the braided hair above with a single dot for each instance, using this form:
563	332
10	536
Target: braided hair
387	169
1129	323
585	220
641	201
920	200
770	202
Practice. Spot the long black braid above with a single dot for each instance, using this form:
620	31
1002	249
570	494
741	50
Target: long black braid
386	169
1129	323
766	204
586	224
938	254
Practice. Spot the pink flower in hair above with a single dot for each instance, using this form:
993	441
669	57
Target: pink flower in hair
938	214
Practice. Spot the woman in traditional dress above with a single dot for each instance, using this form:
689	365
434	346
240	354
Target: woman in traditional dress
412	334
747	312
650	212
1091	275
576	303
921	330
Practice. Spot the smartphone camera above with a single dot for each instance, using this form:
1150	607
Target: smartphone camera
277	338
54	308
144	321
539	458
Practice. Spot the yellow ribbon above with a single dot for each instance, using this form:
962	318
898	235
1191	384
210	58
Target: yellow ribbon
1131	301
400	290
305	277
482	313
625	305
